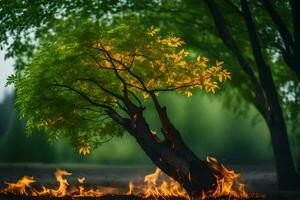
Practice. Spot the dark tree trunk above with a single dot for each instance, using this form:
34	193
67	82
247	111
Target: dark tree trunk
171	155
175	160
286	171
266	98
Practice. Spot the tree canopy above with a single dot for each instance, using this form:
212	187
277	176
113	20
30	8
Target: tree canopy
83	73
28	21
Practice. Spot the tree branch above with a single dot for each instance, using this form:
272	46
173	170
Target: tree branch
132	74
120	120
174	88
283	30
136	98
83	96
112	60
101	87
234	7
122	107
103	141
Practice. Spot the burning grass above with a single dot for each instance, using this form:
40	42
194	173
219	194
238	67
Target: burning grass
156	186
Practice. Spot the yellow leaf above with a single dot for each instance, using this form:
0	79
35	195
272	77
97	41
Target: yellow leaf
219	63
220	77
153	31
226	74
84	150
183	53
145	95
182	63
188	94
171	41
205	59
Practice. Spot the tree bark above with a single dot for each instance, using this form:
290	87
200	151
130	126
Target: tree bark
286	171
172	156
175	160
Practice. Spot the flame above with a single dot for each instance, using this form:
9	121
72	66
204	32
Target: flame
227	181
20	186
165	188
81	180
130	188
155	185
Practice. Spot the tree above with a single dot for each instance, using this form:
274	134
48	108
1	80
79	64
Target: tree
89	84
266	97
25	150
6	108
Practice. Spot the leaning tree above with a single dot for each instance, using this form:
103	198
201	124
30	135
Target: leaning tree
92	82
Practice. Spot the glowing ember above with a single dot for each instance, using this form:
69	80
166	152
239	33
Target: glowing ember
155	185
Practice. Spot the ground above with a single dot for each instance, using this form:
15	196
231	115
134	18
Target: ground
260	179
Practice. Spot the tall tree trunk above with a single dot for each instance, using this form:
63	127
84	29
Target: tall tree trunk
266	100
286	171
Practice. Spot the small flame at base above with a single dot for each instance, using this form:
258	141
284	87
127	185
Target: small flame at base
227	181
155	185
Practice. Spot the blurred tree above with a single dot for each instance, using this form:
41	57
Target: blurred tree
26	149
88	83
6	109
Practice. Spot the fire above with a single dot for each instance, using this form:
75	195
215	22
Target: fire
130	188
155	185
20	186
227	181
166	188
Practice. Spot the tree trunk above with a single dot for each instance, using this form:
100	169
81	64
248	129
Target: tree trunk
177	161
172	156
267	100
286	172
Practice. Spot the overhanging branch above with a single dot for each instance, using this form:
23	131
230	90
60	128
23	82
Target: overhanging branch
284	32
